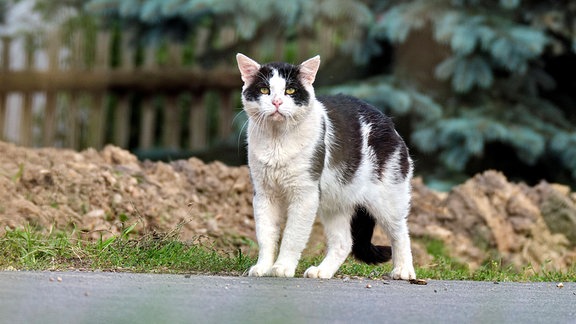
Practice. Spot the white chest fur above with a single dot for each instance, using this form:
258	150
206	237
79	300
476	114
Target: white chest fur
280	155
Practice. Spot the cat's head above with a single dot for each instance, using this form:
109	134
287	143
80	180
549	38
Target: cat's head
277	92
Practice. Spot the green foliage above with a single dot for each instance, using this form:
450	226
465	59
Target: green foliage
384	93
461	138
465	72
480	43
563	144
249	18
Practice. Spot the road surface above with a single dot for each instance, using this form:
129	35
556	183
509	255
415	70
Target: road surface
99	297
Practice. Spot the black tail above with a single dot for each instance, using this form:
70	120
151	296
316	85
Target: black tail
362	248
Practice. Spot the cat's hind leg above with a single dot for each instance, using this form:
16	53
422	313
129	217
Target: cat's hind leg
390	208
339	239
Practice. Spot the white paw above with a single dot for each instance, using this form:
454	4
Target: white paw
280	270
259	271
317	272
403	272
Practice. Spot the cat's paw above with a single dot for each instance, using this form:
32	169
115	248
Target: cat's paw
317	272
404	272
280	270
259	271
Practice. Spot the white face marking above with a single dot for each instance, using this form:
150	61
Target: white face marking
277	85
277	104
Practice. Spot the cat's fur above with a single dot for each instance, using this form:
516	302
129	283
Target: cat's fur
336	157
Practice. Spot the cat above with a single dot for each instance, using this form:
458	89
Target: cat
332	156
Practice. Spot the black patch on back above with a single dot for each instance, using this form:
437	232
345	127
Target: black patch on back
346	153
404	162
384	140
345	113
290	73
362	228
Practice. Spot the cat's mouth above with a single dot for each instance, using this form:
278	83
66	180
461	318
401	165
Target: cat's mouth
277	116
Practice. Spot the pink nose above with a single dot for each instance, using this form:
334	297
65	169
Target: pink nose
277	102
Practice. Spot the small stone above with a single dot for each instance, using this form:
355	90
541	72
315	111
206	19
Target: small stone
59	279
116	199
418	282
96	213
560	285
368	286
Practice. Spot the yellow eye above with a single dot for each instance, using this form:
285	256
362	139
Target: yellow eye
290	91
264	91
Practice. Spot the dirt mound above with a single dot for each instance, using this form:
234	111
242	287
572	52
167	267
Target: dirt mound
99	193
96	192
489	217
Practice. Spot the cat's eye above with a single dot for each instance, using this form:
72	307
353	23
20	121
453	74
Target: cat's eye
264	91
290	91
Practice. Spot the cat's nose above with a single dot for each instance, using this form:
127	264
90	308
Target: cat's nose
277	102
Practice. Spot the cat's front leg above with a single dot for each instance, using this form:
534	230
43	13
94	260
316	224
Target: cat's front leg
337	231
301	214
267	213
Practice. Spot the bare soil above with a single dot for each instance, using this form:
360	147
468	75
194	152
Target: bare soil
98	194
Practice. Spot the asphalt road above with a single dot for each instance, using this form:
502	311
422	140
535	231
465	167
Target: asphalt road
97	297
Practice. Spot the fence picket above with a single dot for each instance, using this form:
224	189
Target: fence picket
26	120
96	120
226	114
49	127
122	121
72	136
147	124
3	98
4	64
197	122
171	128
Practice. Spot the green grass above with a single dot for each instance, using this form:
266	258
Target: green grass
30	249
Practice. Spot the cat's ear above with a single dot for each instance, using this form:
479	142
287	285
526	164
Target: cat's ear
248	68
308	70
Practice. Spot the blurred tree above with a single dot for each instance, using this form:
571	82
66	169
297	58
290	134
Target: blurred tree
490	66
481	83
251	18
255	22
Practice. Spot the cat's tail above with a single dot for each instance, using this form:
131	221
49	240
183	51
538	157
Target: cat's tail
362	228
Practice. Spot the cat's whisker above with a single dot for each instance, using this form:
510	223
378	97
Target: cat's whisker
238	114
257	128
240	135
262	77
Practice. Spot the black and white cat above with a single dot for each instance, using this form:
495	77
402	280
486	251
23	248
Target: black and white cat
336	157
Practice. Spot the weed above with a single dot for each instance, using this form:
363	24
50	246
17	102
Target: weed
19	174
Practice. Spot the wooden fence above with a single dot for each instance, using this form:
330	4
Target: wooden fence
77	100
